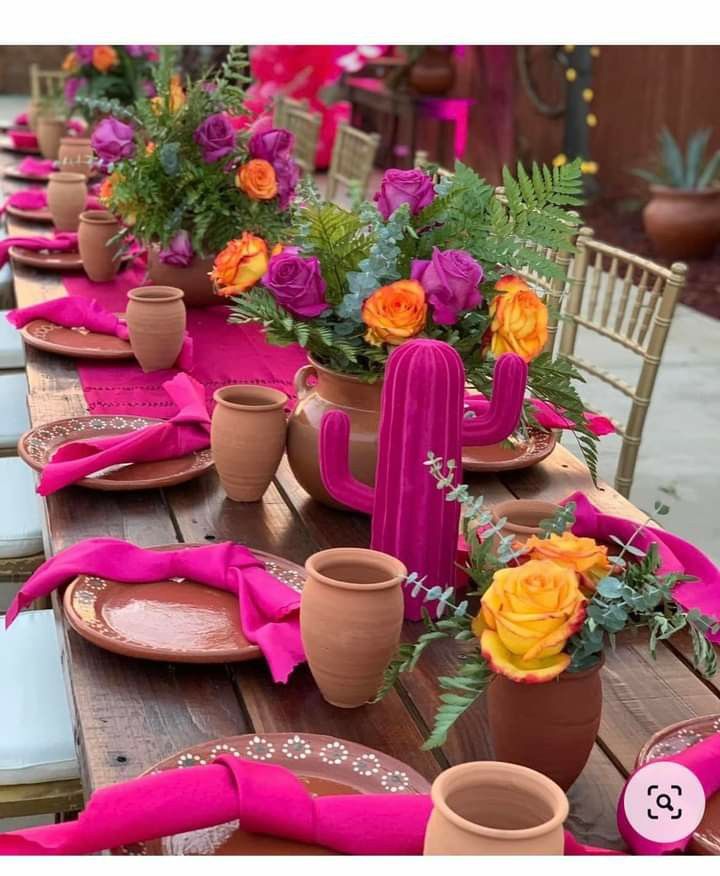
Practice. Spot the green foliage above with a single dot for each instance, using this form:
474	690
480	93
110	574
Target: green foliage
462	691
688	171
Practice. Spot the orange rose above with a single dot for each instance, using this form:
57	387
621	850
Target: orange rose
240	265
70	64
584	556
395	313
149	148
104	57
176	98
257	179
108	185
519	320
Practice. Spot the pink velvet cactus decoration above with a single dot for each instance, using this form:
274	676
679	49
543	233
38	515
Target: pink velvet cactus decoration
421	412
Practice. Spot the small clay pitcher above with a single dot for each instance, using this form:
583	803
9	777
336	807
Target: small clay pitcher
351	614
194	280
66	196
100	258
247	438
76	155
156	321
49	132
523	517
492	808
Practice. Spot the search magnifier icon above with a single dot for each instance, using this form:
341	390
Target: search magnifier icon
663	802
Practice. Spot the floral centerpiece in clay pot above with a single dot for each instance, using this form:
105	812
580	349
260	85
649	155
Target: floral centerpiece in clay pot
425	258
185	180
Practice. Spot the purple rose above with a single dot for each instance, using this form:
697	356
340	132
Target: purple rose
148	88
215	137
287	174
113	140
296	283
73	84
450	280
272	145
412	187
84	54
140	51
179	251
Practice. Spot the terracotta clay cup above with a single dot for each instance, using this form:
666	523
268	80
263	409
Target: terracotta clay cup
49	133
194	280
156	321
247	438
76	155
351	614
548	727
492	808
100	258
683	223
523	517
66	195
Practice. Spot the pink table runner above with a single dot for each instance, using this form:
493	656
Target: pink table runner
223	354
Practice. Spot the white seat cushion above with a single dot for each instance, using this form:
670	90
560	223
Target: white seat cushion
36	734
20	514
13	409
12	349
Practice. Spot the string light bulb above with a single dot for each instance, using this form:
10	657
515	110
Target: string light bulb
588	94
571	74
595	51
559	160
591	120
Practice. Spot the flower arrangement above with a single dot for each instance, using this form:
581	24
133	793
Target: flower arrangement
549	606
181	174
108	73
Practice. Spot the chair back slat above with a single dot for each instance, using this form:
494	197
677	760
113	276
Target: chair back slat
649	310
609	291
624	298
280	108
639	301
352	160
595	288
46	83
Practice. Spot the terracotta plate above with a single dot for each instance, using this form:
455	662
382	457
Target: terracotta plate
54	261
672	740
37	446
178	621
513	454
7	144
327	765
41	214
77	342
14	172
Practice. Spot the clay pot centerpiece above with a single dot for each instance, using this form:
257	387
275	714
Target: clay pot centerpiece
194	280
50	131
66	195
523	517
156	321
100	258
76	155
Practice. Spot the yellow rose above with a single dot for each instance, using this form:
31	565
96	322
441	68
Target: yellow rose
104	58
519	320
240	265
584	556
526	617
257	179
70	64
395	313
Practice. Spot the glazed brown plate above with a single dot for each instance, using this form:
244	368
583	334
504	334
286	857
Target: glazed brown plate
37	446
179	621
54	261
516	453
672	740
41	214
325	764
14	172
77	342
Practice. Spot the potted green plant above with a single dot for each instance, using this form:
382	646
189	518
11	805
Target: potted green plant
682	217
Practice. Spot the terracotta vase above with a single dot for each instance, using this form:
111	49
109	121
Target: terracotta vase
66	195
247	438
491	808
683	223
49	133
549	727
193	280
76	155
100	258
156	321
523	516
351	615
433	72
333	391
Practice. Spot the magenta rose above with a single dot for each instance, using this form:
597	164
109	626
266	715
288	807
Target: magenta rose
272	145
84	54
296	283
73	84
179	251
113	140
215	137
287	174
148	52
412	187
450	280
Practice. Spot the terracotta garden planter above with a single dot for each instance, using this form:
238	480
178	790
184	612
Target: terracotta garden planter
683	223
49	133
66	195
489	808
248	438
156	322
193	280
549	727
351	614
96	229
76	155
433	72
333	391
523	516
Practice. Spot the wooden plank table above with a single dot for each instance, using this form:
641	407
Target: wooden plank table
129	714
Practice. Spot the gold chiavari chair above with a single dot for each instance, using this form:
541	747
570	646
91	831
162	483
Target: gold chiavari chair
280	108
45	84
305	125
352	159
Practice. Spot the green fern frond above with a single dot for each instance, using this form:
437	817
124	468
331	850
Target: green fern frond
463	691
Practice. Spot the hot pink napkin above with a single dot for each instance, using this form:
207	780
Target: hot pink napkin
187	431
676	555
21	119
548	415
36	199
23	139
61	242
269	610
36	166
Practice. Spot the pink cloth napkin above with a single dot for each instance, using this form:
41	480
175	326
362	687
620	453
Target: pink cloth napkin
187	431
36	166
548	415
269	610
21	119
23	139
36	199
62	242
676	555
